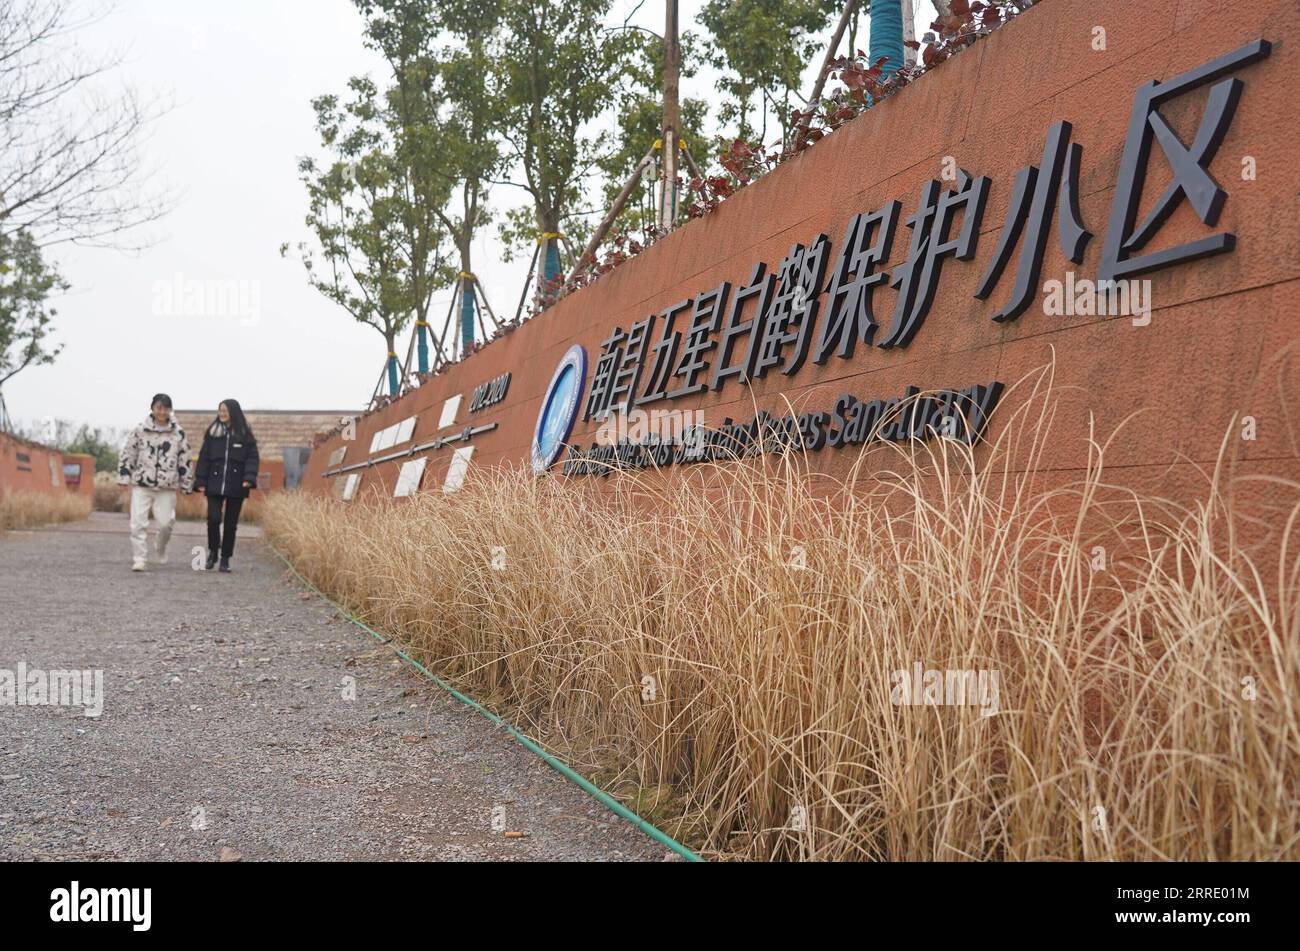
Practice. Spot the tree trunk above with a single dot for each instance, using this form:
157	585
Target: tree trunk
887	35
394	385
466	297
909	32
548	274
671	130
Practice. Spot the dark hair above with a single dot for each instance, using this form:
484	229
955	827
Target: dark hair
238	424
160	398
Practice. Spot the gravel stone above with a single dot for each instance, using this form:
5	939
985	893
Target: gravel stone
225	731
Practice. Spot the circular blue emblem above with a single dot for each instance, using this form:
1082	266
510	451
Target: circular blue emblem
559	409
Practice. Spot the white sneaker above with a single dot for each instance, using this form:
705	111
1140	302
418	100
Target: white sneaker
160	557
137	566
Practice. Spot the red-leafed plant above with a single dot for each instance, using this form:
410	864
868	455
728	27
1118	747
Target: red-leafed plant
862	84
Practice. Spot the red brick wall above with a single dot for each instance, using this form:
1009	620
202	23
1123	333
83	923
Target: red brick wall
1221	339
270	475
26	467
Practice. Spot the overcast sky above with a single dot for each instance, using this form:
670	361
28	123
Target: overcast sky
240	76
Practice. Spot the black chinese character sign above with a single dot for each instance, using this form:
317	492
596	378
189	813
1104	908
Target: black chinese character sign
818	302
1191	177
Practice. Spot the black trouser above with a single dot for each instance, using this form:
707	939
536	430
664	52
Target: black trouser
216	538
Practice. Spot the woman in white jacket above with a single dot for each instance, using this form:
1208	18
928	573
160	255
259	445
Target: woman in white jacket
155	462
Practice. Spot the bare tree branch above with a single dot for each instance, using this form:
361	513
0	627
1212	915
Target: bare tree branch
70	170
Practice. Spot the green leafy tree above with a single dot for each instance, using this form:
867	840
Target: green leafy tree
362	206
639	126
26	284
95	442
559	70
476	115
442	112
762	48
66	435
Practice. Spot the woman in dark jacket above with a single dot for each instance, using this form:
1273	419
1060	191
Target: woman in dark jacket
226	470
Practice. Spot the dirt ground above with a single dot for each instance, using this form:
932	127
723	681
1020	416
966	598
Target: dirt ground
227	727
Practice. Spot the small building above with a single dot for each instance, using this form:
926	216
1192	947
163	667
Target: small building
284	438
29	466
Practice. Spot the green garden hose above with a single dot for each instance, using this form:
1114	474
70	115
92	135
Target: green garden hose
560	767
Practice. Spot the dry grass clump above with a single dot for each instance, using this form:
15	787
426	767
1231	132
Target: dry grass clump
721	647
194	508
24	510
111	497
189	508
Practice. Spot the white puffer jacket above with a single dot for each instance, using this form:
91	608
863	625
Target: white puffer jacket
157	457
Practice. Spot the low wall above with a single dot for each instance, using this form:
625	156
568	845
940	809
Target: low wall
27	466
1205	353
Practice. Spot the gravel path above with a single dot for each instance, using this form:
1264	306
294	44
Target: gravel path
225	727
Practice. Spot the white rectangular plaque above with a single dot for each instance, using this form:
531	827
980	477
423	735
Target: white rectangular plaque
408	480
456	471
449	411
